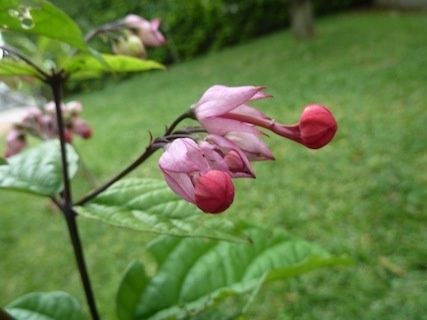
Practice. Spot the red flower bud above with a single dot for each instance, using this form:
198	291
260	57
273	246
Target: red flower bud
68	135
234	161
317	126
81	128
214	191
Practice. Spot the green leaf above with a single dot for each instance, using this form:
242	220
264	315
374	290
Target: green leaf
149	205
38	170
194	274
42	18
128	297
90	66
2	161
15	68
46	306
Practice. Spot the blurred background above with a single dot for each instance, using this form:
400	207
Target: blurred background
363	195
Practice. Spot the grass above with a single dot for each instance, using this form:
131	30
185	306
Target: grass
364	195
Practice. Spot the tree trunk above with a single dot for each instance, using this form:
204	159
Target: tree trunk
302	18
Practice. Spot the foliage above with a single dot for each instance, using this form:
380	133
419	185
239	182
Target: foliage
42	306
193	275
373	207
147	205
38	170
197	26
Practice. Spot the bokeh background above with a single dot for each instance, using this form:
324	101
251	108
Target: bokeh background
363	195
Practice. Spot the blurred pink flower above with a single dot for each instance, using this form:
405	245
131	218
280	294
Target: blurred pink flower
15	142
81	128
148	31
74	107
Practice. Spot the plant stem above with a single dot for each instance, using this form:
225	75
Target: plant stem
152	147
148	152
189	114
55	81
43	75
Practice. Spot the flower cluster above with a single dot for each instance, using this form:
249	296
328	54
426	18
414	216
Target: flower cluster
201	170
42	124
143	33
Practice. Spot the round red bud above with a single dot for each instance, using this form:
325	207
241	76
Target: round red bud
68	136
81	128
317	126
214	191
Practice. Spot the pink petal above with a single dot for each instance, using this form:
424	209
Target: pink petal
261	95
213	157
181	184
218	100
155	24
134	21
183	155
228	145
251	145
221	126
248	110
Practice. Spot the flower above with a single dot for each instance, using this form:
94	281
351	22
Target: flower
148	31
15	142
181	162
224	111
74	107
214	191
224	155
215	111
42	124
195	177
81	128
317	126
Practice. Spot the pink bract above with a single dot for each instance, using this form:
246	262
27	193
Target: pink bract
148	31
214	191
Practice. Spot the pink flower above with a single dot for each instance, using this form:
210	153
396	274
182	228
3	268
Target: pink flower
181	163
224	111
32	116
47	125
215	111
224	155
190	175
251	145
74	108
148	31
81	128
15	142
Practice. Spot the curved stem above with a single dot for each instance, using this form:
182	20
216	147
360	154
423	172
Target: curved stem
104	28
152	147
189	114
12	51
55	81
148	152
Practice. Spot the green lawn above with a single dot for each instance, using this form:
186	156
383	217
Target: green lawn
364	195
